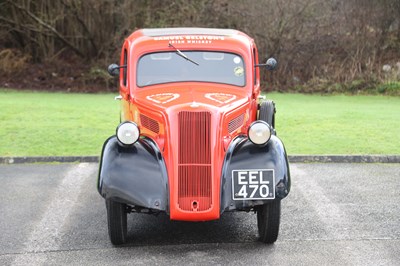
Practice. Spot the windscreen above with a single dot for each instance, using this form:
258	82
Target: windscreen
199	66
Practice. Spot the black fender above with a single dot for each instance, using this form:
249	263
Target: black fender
243	154
134	175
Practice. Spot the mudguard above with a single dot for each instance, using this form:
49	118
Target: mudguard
242	154
136	175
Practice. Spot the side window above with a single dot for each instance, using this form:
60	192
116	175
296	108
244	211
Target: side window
124	70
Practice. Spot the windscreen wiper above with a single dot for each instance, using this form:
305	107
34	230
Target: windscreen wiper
178	52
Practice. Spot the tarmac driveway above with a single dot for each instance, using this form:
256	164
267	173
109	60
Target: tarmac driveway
336	214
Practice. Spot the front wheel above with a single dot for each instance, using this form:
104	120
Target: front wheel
117	222
268	220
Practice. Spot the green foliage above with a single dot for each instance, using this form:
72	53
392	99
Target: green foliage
359	85
391	88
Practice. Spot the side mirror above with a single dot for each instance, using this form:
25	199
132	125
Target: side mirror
113	69
271	64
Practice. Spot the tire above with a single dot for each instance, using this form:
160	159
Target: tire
268	220
117	222
267	112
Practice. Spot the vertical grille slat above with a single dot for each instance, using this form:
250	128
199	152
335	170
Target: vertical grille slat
194	161
194	138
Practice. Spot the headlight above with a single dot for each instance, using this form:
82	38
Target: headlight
259	132
128	133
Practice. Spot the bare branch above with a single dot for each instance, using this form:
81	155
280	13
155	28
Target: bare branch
49	27
82	23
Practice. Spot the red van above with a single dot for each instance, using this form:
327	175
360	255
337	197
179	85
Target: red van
195	139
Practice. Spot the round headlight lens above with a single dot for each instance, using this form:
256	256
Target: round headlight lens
128	133
259	132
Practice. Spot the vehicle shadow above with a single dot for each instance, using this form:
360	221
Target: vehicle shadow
155	230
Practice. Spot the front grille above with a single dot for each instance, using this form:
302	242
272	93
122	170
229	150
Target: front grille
235	123
149	123
194	161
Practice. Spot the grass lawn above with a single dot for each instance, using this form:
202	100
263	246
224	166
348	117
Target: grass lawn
61	124
315	124
36	123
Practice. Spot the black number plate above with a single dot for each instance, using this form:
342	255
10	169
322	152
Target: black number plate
258	184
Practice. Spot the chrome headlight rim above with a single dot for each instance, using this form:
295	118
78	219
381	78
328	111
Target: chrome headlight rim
124	129
253	138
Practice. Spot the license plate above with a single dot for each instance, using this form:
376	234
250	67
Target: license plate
257	184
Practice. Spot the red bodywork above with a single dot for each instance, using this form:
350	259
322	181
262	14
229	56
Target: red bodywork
192	122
